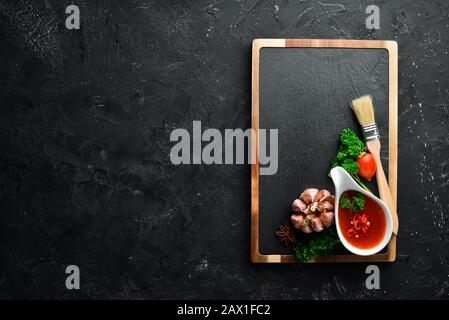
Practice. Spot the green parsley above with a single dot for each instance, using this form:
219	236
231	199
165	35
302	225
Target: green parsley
345	203
316	247
351	147
358	202
356	205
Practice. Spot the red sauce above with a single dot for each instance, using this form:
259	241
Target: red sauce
364	229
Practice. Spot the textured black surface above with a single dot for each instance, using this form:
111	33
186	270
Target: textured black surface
305	94
84	143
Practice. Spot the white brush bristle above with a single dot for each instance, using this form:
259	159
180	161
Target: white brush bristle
364	110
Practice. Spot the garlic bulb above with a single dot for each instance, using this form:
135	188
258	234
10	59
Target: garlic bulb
313	210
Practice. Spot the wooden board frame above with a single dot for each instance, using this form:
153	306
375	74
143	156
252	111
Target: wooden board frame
392	48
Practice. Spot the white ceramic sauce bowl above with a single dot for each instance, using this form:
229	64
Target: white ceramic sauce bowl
344	182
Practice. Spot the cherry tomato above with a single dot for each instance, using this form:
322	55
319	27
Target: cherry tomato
367	166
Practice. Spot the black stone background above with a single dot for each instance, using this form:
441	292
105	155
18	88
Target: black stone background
85	174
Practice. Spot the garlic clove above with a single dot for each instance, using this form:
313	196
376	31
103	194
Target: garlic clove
306	229
308	196
297	220
325	206
331	199
317	225
327	218
299	206
322	194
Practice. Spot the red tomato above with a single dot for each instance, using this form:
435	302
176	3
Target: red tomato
367	166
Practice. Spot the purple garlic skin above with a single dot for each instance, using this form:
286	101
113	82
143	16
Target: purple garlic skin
297	220
298	206
306	229
322	194
325	206
317	225
309	195
313	211
327	218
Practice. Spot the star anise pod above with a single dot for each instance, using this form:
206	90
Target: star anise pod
286	234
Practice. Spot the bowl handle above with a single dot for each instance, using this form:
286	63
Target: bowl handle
343	181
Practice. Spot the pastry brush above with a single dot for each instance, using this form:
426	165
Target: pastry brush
364	111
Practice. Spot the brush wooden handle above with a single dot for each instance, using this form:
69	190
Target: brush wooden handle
382	184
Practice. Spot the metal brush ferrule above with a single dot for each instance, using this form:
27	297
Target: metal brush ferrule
370	132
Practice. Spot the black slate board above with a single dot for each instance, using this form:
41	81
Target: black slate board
305	94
